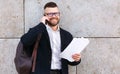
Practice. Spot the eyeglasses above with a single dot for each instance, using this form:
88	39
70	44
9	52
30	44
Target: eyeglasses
53	14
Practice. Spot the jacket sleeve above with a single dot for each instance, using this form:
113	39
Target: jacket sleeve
29	38
74	63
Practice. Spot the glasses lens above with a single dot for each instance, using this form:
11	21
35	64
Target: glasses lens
53	14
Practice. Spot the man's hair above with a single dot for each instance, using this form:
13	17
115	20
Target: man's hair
50	4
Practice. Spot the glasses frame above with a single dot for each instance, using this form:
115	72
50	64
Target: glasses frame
52	14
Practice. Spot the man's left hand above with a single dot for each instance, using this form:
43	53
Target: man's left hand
76	57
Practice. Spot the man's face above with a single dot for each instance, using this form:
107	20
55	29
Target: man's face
53	15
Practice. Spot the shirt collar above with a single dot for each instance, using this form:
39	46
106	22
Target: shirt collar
49	28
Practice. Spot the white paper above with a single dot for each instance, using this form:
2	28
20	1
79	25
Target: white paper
76	46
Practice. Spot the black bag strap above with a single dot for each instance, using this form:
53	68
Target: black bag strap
34	54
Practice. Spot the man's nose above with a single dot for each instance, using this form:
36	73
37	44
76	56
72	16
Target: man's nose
53	15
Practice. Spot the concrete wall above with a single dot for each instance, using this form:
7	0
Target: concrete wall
98	20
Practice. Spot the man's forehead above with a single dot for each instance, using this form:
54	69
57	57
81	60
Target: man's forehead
51	9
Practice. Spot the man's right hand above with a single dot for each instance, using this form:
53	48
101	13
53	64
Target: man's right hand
43	19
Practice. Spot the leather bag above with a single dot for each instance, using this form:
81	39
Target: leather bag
25	64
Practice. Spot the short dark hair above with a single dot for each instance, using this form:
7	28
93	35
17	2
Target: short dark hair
50	4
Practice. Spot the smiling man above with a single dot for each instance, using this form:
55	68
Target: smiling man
54	40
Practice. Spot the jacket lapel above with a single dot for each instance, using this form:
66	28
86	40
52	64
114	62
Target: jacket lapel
46	35
62	39
61	35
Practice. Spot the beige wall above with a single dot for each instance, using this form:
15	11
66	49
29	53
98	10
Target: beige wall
98	20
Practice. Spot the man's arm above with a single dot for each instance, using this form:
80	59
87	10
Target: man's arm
30	37
77	59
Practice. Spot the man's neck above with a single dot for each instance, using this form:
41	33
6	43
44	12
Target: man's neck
54	28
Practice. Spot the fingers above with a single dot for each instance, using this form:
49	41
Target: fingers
76	57
43	19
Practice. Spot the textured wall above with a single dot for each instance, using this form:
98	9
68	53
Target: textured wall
97	20
11	28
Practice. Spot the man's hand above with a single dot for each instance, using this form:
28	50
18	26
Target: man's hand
43	19
76	57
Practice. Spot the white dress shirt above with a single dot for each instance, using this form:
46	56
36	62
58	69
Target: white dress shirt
55	43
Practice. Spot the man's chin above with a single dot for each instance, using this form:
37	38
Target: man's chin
52	24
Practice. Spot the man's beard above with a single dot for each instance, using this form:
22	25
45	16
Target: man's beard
53	24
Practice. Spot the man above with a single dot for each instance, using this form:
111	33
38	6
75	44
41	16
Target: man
53	41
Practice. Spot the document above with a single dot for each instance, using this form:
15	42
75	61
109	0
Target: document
76	46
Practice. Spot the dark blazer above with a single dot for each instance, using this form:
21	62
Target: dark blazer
43	62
